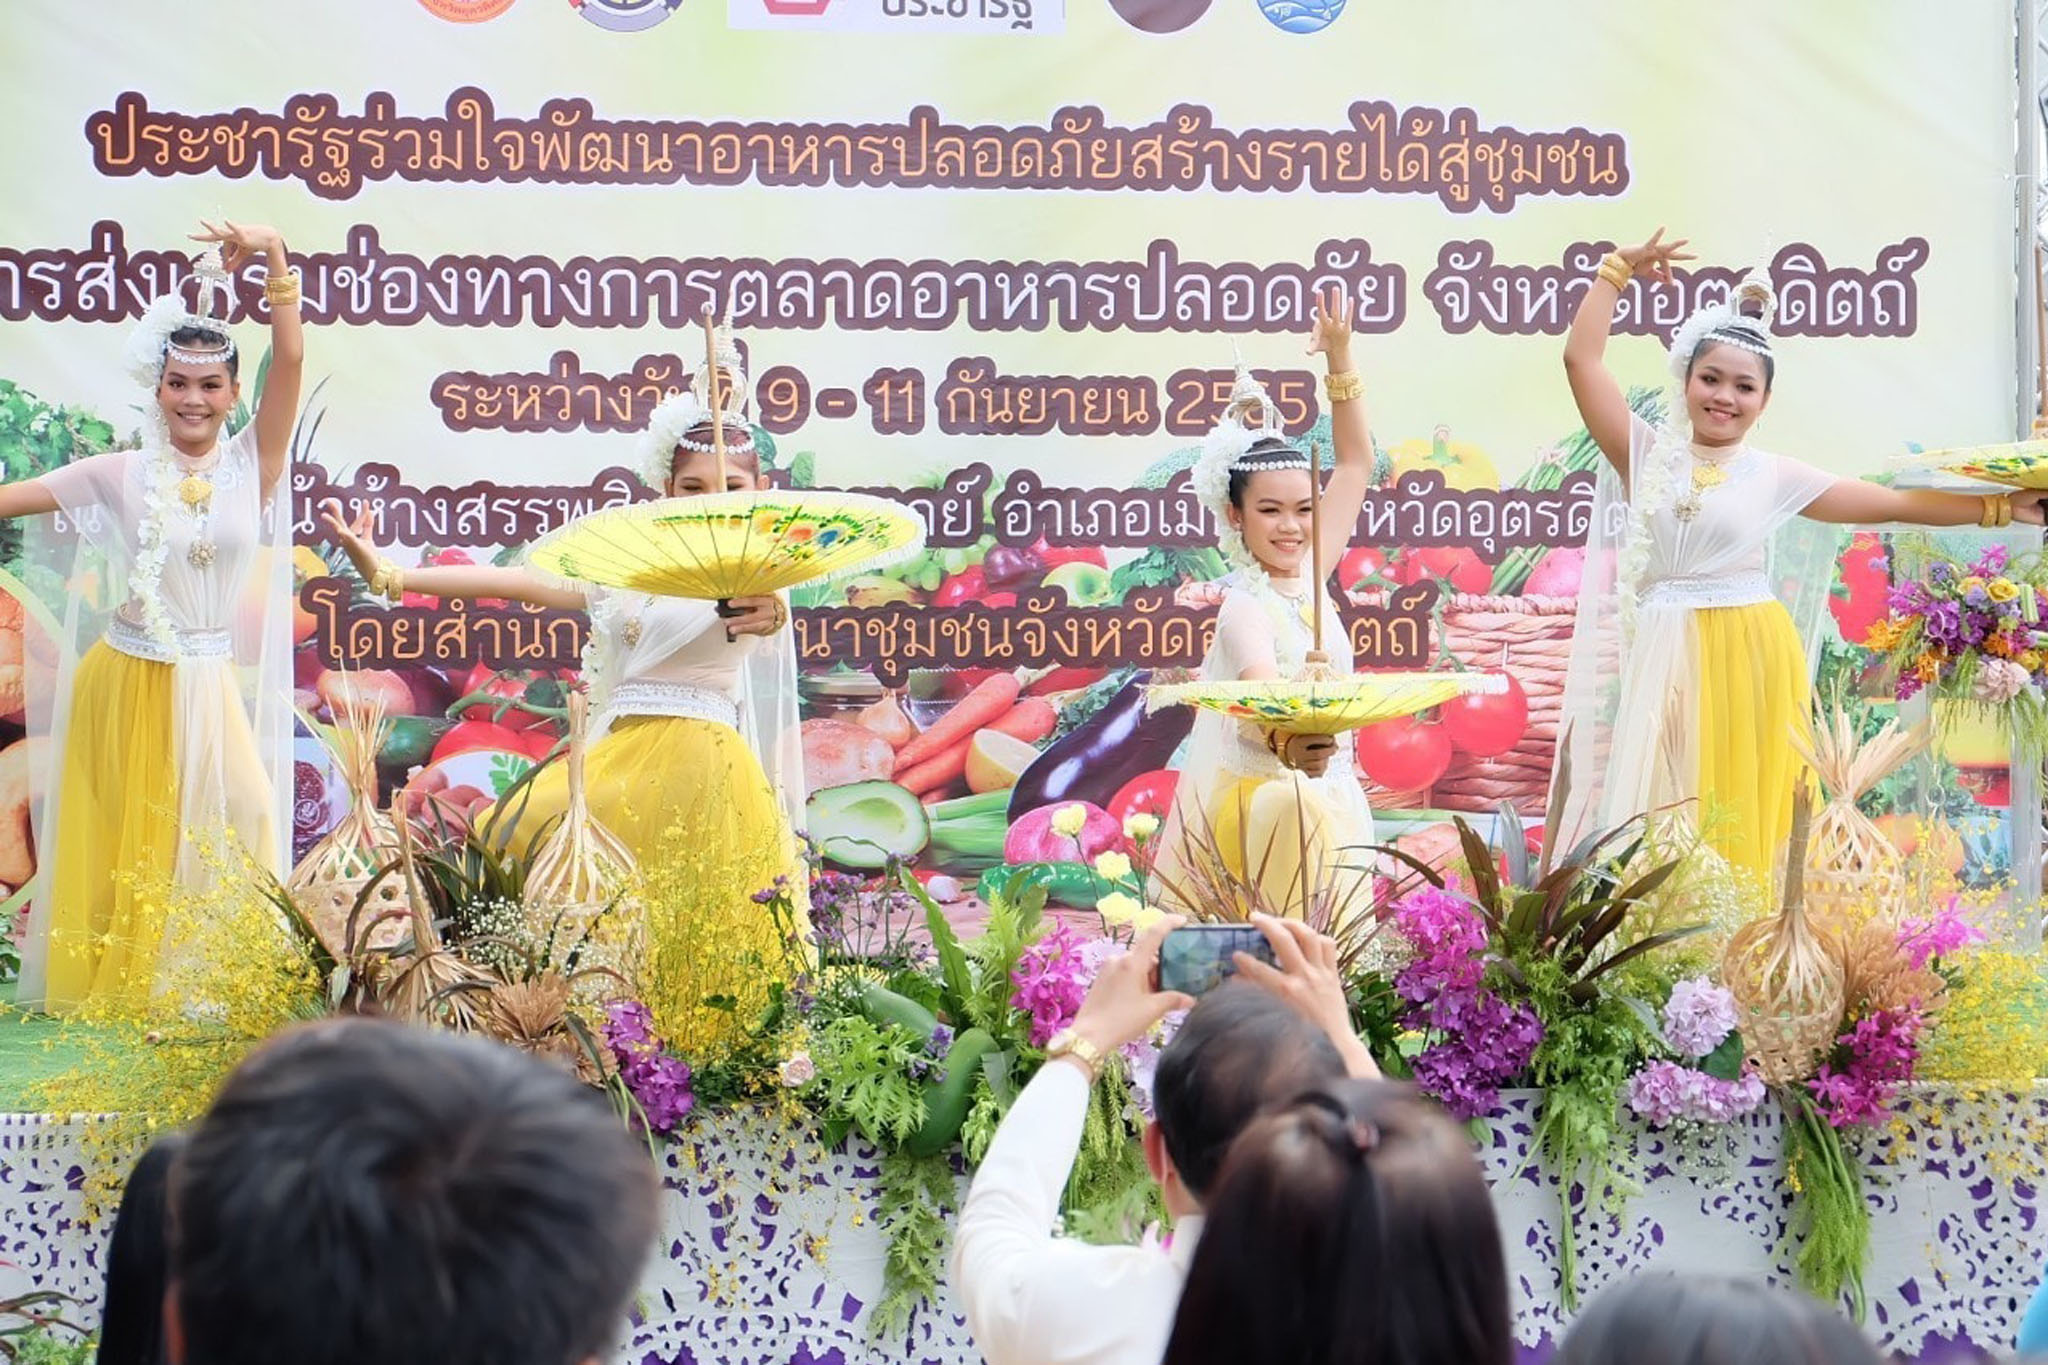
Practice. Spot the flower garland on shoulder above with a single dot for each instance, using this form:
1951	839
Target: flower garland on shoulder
160	478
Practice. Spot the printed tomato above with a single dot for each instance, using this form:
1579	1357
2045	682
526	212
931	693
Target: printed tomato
1488	725
1460	568
516	700
1363	565
1404	755
481	734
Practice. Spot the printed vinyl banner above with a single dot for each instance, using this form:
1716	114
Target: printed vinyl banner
997	258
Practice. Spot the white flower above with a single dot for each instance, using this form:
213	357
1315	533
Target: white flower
798	1070
1140	827
1112	866
1069	821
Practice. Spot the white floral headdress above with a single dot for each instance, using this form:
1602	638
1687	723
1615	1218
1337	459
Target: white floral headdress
678	418
150	343
1248	419
1727	324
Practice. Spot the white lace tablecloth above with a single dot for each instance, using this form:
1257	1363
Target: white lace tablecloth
770	1251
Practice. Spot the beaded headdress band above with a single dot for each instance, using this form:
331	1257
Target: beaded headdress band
1727	324
150	345
1234	446
683	420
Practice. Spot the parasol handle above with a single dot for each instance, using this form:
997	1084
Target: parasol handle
1315	547
717	404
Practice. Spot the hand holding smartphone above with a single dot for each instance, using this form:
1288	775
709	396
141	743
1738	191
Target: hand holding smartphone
1196	958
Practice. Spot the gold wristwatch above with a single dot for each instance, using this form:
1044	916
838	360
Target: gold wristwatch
1067	1043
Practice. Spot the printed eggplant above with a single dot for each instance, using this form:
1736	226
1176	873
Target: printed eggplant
1094	760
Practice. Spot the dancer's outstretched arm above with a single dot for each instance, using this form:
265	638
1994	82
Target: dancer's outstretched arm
1603	406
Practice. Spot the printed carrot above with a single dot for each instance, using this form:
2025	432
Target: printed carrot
1030	720
989	699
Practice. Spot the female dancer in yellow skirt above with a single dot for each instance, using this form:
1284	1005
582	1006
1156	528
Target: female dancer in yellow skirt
166	733
1688	676
694	762
1282	812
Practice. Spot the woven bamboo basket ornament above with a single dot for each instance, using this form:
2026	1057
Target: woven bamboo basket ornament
1786	976
1852	869
331	878
581	868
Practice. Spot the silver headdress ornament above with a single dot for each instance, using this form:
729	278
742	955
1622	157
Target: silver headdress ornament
1729	322
1247	420
682	421
149	345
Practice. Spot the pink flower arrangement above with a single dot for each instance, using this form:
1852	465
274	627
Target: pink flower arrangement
1948	933
1479	1041
1665	1092
1870	1062
658	1082
1051	979
1699	1017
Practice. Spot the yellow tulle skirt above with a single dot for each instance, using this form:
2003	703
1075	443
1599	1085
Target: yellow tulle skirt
116	849
1280	835
1753	696
690	800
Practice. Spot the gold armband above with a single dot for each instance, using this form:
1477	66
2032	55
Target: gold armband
1343	385
282	291
388	582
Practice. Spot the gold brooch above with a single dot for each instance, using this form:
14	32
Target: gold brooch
194	491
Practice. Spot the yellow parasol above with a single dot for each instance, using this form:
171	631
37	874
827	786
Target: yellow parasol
1322	701
2016	464
734	544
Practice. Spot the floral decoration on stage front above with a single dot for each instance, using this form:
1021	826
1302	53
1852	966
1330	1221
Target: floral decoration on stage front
1971	633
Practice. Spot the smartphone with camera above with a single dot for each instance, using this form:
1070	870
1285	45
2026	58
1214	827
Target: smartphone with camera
1197	958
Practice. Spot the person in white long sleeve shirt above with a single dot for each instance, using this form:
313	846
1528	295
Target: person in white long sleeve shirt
1032	1297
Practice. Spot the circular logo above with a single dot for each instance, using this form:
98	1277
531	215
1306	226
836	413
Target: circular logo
1159	16
466	11
625	16
1301	16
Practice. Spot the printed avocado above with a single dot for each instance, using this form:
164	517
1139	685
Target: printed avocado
863	824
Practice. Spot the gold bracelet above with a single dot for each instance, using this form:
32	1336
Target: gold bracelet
282	290
2004	501
1988	518
1343	385
1615	271
781	616
388	581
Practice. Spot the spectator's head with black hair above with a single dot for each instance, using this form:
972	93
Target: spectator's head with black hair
1240	1052
363	1191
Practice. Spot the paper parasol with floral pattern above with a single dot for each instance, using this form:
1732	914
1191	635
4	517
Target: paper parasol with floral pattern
2016	464
1325	706
724	545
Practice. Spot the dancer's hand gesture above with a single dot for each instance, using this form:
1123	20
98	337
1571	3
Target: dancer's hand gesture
1332	335
1652	260
352	535
239	243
